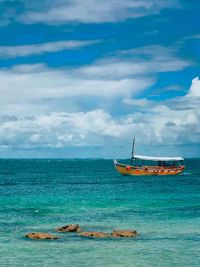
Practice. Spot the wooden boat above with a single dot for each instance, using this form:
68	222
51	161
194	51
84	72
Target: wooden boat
145	165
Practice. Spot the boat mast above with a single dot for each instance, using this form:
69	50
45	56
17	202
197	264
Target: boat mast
132	153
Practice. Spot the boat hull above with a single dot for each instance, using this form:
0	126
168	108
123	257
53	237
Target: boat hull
147	170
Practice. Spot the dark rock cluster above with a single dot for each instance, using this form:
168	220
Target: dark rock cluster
69	228
41	236
76	228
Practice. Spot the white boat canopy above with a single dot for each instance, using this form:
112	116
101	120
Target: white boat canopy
157	158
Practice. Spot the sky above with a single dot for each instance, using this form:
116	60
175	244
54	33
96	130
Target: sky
80	79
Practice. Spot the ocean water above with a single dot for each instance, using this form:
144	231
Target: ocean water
39	195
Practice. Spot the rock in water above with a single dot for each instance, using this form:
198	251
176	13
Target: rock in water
94	234
124	233
69	228
41	236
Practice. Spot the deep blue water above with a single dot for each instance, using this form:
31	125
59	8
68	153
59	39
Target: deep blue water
39	195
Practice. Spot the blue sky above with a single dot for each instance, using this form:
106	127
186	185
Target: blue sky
81	78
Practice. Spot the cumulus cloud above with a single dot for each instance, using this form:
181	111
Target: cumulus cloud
174	121
35	49
59	129
195	88
152	123
94	11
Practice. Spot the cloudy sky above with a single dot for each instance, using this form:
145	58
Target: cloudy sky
82	78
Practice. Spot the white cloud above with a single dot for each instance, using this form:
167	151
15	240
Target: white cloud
27	122
174	121
26	84
59	129
195	88
156	58
23	86
35	49
94	11
153	123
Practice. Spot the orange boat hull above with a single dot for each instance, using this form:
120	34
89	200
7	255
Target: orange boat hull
147	170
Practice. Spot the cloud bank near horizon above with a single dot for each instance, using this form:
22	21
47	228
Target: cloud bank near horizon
164	124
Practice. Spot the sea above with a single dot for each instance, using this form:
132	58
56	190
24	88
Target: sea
38	195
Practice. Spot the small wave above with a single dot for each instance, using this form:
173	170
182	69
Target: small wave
7	184
186	174
7	173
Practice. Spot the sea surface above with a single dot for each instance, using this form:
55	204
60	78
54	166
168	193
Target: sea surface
39	195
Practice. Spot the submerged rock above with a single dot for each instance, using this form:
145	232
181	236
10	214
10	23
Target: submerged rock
41	236
115	233
124	233
69	228
95	234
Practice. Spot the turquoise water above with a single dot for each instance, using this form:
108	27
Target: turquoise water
39	195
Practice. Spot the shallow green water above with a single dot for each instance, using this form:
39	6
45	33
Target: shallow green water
39	195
